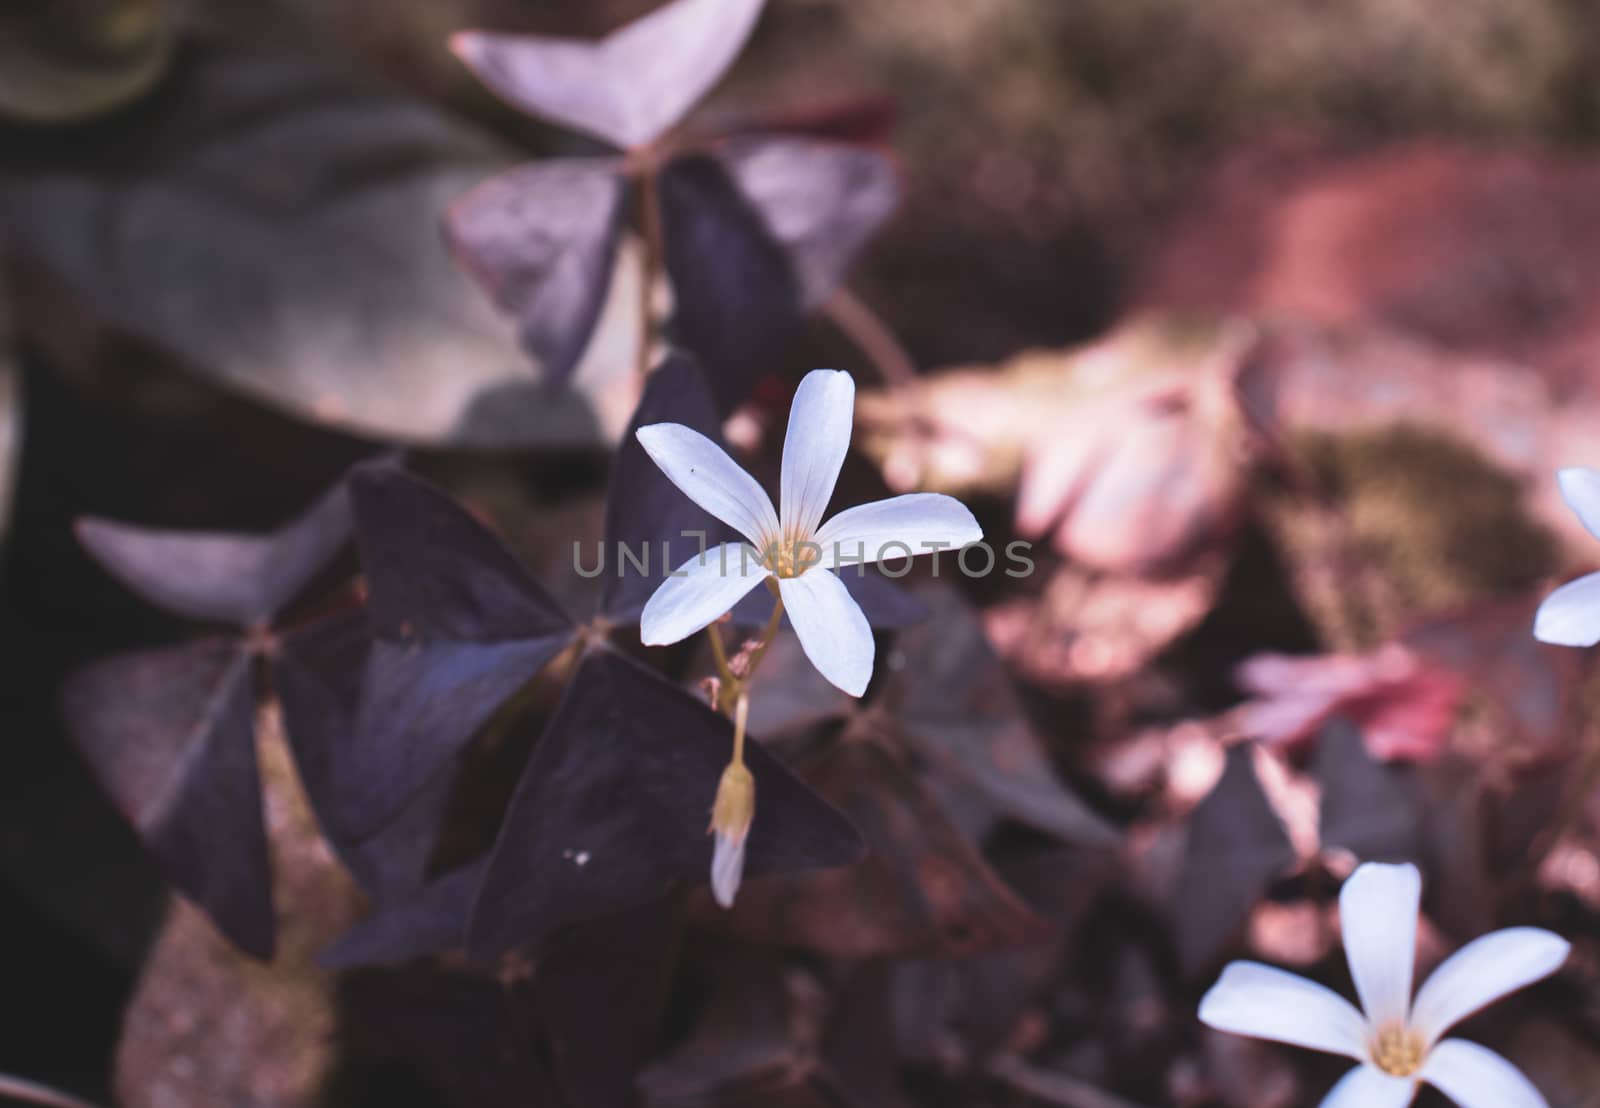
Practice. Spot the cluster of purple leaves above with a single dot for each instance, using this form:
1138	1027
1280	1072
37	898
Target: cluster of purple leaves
755	231
379	705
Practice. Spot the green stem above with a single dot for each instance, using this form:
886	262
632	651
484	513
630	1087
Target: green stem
741	716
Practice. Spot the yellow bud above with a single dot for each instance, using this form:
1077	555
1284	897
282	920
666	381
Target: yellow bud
735	806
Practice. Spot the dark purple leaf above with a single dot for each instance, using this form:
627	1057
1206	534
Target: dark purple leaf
1236	847
1370	808
218	577
644	509
542	240
821	200
317	672
628	88
958	710
429	920
736	296
923	889
600	987
170	734
613	807
459	628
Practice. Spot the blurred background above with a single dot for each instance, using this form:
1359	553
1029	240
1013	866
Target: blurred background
1329	271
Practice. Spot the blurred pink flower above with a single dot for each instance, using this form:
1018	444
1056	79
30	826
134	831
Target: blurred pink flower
1403	705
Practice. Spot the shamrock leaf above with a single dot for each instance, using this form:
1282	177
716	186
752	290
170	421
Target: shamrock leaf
1371	809
459	628
221	577
1236	847
542	240
923	889
820	200
612	808
273	225
628	88
170	734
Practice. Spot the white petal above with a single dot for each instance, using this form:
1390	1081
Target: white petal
1370	1087
1482	972
832	631
925	522
1378	914
699	591
1570	616
710	478
1268	1003
814	449
1580	488
727	868
1476	1077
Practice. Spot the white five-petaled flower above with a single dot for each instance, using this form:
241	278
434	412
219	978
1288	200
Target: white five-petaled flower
1398	1041
1570	616
793	545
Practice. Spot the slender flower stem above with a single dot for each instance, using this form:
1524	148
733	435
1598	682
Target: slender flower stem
768	633
720	652
736	686
872	336
741	716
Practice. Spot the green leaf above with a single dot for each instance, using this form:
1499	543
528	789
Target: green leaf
276	227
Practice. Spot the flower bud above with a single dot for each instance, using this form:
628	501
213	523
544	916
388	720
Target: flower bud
731	816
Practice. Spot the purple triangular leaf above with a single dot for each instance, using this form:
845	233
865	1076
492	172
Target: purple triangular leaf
644	510
736	297
542	240
221	577
613	807
959	710
1235	848
317	672
435	573
459	627
1369	808
628	88
170	734
821	200
431	919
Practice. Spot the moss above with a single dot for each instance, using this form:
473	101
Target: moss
1429	521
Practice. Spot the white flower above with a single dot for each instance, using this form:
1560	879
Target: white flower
795	547
1570	616
1397	1040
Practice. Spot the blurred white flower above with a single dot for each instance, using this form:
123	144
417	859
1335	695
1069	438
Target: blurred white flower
1396	1040
796	548
1570	616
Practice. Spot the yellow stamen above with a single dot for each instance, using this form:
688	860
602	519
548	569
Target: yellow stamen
791	557
1397	1050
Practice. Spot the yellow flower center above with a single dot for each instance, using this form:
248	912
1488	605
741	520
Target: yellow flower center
792	557
1397	1050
